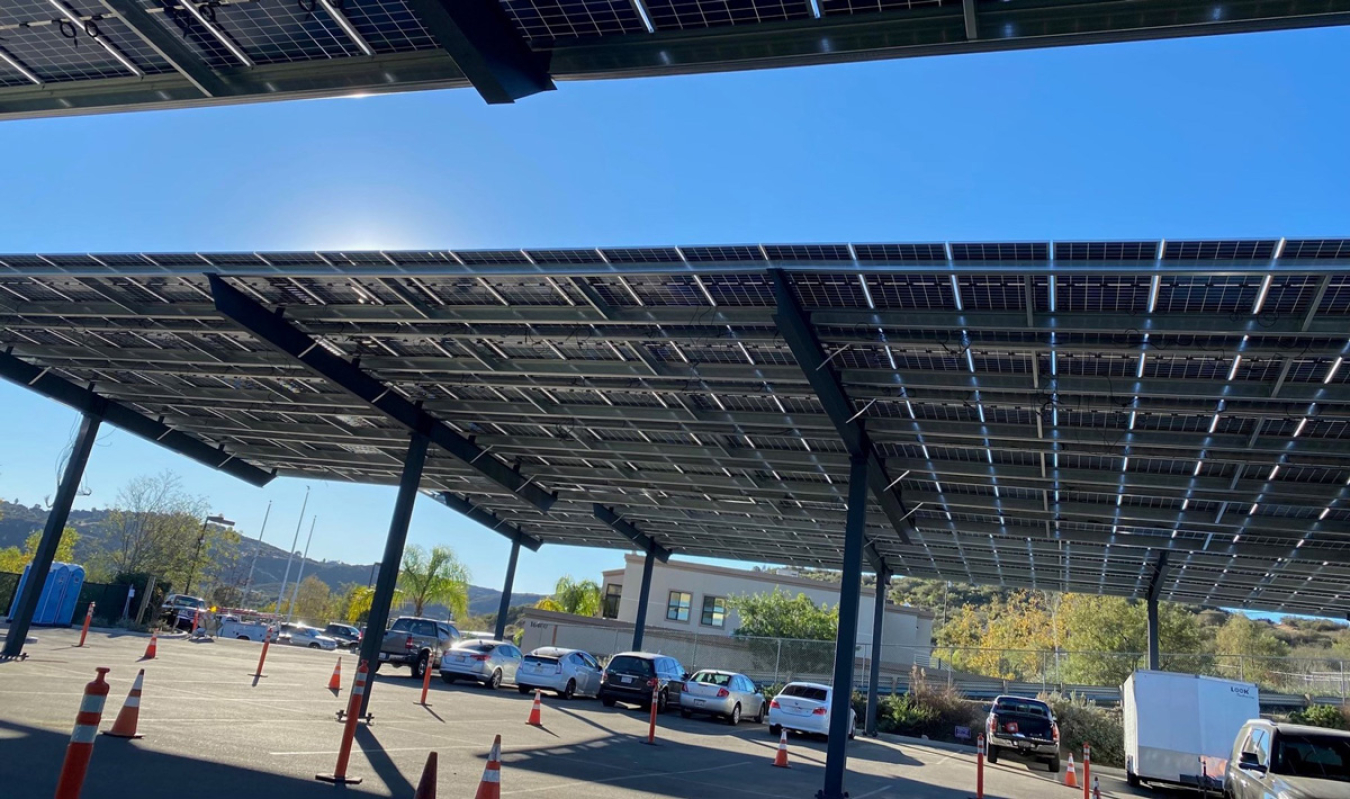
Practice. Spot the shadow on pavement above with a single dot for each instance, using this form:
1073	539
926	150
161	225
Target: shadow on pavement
122	769
381	762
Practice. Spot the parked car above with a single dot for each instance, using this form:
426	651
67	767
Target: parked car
416	643
179	610
245	630
569	672
345	634
1025	727
805	707
304	635
487	661
1288	761
722	693
628	679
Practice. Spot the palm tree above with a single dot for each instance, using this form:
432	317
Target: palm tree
578	597
435	577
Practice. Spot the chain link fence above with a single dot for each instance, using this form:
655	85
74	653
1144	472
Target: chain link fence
9	586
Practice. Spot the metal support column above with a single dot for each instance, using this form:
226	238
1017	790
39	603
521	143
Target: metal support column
506	590
1154	591
640	625
393	556
841	698
51	535
878	621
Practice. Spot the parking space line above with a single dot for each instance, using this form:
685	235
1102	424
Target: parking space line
621	778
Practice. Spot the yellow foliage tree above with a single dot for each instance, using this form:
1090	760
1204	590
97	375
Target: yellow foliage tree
12	559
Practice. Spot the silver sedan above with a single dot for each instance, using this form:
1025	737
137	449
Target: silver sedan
722	693
569	672
482	660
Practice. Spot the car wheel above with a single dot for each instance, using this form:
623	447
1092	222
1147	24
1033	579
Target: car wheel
419	666
495	681
315	646
570	690
243	638
735	717
607	701
759	716
775	730
1053	764
449	678
662	702
992	755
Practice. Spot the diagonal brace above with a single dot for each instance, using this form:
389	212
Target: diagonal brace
488	519
630	531
286	338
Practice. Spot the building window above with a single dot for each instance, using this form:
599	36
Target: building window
714	611
609	608
678	608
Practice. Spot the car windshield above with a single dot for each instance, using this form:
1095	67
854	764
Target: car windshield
712	678
806	692
1024	708
1321	757
627	664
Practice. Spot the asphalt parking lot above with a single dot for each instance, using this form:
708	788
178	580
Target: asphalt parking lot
211	730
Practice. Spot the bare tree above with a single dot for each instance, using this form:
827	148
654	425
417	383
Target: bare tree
154	526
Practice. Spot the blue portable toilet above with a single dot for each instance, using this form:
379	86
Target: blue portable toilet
56	603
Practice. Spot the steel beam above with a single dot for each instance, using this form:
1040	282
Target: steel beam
49	385
488	519
171	48
479	36
644	596
505	604
874	672
273	330
1154	591
378	618
52	531
850	585
972	22
640	539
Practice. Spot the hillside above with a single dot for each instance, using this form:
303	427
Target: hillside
18	521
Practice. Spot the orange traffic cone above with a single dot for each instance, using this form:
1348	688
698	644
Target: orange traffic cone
535	719
125	725
335	682
490	787
780	760
150	648
426	787
1071	776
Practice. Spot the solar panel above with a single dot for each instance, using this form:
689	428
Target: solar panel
388	26
280	31
59	51
1219	250
808	252
564	256
1316	249
548	20
837	7
901	252
744	252
696	14
1106	250
489	257
984	253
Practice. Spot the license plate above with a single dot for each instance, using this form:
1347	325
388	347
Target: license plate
384	656
700	702
459	658
1023	745
626	679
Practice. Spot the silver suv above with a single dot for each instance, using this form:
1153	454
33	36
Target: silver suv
1288	761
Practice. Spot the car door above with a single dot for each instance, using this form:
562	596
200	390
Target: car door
746	694
510	661
594	672
1249	782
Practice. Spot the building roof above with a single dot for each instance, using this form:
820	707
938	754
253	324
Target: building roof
82	56
1040	414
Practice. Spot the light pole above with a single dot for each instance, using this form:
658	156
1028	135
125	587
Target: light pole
201	539
248	584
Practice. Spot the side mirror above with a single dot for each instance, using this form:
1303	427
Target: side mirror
686	676
1248	760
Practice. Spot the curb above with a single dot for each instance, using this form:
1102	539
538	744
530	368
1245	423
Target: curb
947	746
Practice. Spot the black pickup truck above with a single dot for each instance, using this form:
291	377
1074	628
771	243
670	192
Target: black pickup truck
1025	727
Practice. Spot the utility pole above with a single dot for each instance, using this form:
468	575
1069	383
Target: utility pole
248	584
282	593
301	574
201	539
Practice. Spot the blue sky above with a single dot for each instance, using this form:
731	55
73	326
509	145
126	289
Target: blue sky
1238	136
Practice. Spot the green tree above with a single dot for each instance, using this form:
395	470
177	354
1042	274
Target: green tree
314	601
781	615
153	527
578	597
1249	642
1108	638
1010	639
12	559
435	577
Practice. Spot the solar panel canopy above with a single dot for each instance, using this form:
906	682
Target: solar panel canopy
80	56
1048	415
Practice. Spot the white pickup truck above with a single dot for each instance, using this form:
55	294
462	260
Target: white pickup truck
245	630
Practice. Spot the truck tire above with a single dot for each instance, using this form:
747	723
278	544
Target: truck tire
992	754
419	666
1053	764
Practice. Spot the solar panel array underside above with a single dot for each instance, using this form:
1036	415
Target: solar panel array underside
1053	414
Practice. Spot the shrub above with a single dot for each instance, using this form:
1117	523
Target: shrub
1082	722
1336	718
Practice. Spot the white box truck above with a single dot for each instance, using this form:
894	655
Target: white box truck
1179	728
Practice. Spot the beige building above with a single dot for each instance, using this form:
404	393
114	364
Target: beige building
691	598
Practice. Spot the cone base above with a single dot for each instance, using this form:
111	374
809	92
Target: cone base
336	780
781	765
112	734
